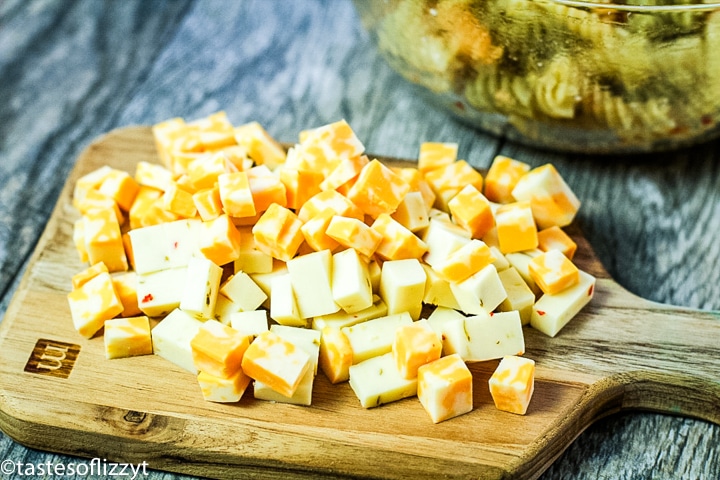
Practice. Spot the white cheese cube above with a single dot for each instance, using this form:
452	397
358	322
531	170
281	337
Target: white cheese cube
442	237
304	339
264	280
165	245
481	293
450	325
402	286
283	305
343	319
501	263
202	282
351	287
243	291
311	277
302	395
250	259
412	212
224	309
374	337
172	336
494	336
519	295
250	323
437	290
521	261
377	381
552	312
160	292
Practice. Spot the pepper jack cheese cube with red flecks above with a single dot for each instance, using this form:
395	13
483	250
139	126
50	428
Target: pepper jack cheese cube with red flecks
160	292
127	337
553	311
512	384
276	362
492	336
93	303
445	388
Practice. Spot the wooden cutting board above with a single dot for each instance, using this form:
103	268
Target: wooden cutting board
59	393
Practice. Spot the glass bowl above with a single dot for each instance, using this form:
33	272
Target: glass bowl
560	74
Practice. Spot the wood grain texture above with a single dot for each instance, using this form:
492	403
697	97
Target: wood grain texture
605	361
70	71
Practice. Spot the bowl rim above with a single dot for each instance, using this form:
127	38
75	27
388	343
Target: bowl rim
693	7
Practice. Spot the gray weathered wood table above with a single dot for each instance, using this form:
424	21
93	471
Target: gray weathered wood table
73	70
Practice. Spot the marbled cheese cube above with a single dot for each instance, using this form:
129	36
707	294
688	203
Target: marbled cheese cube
519	295
278	233
266	188
140	211
336	355
344	173
127	337
351	288
342	319
516	229
223	390
205	170
414	346
311	277
465	261
178	201
218	349
329	199
303	338
445	388
202	283
397	242
251	323
512	384
552	200
353	233
260	146
121	187
480	293
160	292
417	182
553	311
402	286
302	395
125	284
472	211
243	291
276	362
325	146
501	178
93	303
89	181
449	180
94	200
172	336
315	232
494	336
374	337
378	190
235	194
553	272
554	238
377	381
520	261
81	278
103	240
215	131
300	185
219	240
435	155
153	175
442	237
208	203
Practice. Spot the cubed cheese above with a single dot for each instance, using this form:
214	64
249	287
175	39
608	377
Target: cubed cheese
208	203
103	240
554	238
374	337
218	349
516	229
260	146
552	200
402	286
242	290
397	242
223	390
445	388
449	324
283	302
336	355
219	240
519	295
121	187
414	346
351	288
553	311
125	284
250	259
315	231
449	180
172	336
435	155
501	178
311	277
127	337
412	213
378	190
494	336
553	272
278	233
480	293
472	211
93	303
464	262
202	283
251	323
342	319
437	290
235	194
377	381
353	233
160	292
512	384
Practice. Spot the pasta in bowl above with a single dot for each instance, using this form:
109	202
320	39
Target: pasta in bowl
567	75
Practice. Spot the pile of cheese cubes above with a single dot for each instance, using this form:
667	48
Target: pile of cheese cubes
267	266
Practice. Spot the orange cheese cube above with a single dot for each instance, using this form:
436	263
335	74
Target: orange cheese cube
333	200
445	388
300	185
214	131
219	240
552	200
178	201
266	188
352	233
378	189
218	349
554	238
80	278
261	147
397	241
434	155
553	272
501	178
95	200
223	390
465	261
127	337
235	194
447	181
414	346
278	233
153	175
472	211
103	240
121	187
94	303
315	232
512	384
516	229
145	199
336	356
276	362
417	182
208	203
125	284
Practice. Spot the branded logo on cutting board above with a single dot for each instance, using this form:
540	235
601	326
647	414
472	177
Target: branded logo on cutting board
51	357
